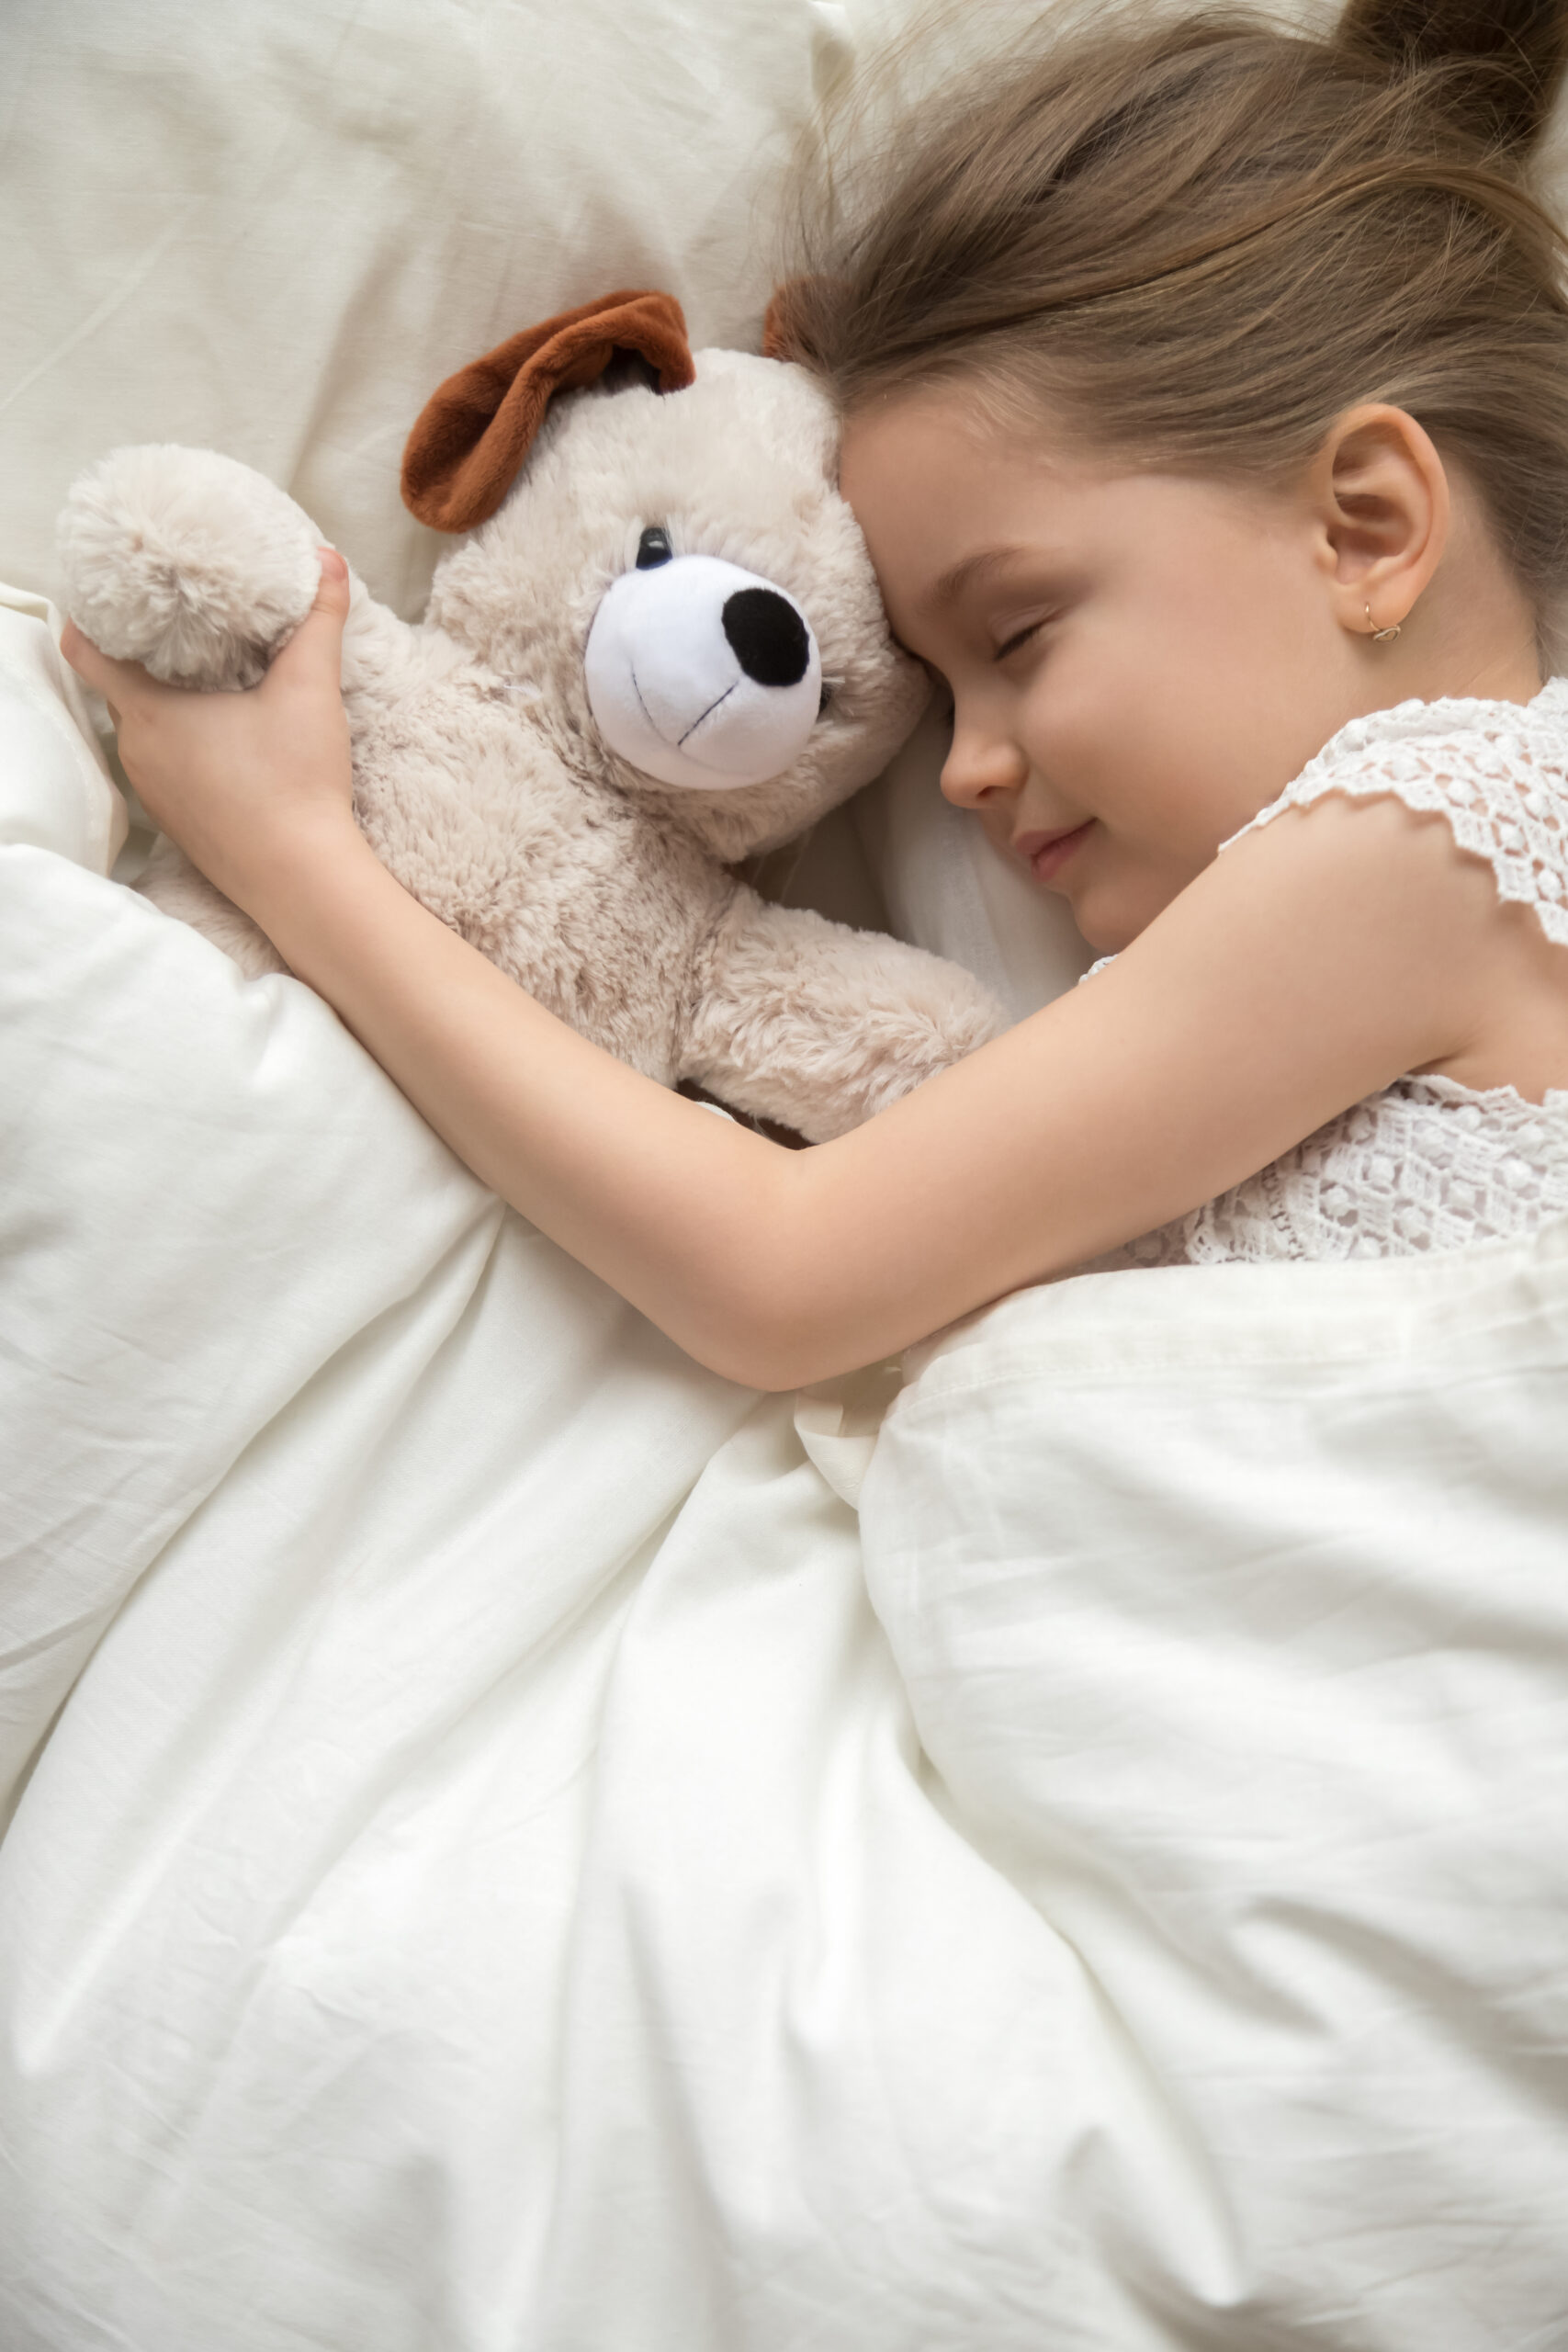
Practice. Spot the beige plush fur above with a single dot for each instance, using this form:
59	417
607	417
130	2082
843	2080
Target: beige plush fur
482	778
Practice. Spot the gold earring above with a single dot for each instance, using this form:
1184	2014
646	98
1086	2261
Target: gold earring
1379	636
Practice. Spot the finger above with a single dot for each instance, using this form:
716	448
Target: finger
313	655
117	682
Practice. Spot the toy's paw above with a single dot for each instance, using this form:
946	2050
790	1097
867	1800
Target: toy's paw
187	561
919	1014
802	1022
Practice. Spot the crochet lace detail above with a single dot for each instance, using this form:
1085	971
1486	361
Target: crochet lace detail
1495	770
1429	1163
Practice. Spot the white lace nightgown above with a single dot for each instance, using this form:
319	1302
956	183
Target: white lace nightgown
1427	1164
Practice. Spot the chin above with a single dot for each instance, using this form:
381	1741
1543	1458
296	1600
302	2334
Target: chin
1102	930
1106	919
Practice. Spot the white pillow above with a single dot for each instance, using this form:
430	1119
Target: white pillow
302	223
273	229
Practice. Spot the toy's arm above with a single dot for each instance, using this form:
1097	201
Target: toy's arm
1357	928
819	1027
185	560
200	568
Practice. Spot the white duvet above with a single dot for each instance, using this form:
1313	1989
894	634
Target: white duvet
483	1879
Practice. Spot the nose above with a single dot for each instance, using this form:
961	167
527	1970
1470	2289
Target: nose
767	636
980	765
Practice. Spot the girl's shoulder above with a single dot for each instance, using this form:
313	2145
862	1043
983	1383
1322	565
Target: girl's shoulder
1497	771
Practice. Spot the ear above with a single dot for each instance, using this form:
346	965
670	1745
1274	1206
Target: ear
788	322
473	433
781	325
1381	499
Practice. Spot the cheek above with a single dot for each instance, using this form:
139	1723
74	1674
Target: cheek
1108	738
1096	717
1163	711
1241	637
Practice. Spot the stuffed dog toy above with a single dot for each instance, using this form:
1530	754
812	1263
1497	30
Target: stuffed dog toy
660	650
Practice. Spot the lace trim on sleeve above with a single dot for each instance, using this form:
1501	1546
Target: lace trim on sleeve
1497	771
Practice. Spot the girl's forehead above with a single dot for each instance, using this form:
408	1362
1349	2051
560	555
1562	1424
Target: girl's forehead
937	419
922	471
948	514
957	521
925	459
920	462
935	456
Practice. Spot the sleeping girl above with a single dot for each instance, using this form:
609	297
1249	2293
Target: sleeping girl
1205	409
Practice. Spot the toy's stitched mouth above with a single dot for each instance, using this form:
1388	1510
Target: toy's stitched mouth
706	714
631	670
648	714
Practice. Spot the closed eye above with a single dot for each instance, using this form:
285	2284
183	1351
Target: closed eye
1020	637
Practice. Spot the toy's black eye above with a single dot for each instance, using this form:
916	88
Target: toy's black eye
653	547
824	698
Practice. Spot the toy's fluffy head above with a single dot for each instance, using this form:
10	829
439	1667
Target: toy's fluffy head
776	648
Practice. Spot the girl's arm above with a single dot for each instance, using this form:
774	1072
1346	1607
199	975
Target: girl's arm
1310	965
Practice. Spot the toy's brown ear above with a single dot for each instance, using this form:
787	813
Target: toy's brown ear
786	332
473	433
778	323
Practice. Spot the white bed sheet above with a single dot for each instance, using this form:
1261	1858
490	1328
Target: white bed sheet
484	1882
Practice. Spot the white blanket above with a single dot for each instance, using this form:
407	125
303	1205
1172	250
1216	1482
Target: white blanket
482	1888
1233	1604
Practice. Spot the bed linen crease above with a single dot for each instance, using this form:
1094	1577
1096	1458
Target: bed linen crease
485	1875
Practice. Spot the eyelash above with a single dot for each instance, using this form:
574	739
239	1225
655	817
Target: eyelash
1021	637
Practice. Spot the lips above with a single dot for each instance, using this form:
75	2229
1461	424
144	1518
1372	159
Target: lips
1046	853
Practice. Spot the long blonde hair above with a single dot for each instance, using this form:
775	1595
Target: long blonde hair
1198	240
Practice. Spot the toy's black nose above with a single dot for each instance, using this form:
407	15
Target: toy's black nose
770	641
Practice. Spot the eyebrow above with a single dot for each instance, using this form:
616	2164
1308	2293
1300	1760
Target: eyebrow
959	576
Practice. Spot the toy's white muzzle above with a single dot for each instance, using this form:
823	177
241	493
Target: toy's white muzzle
701	673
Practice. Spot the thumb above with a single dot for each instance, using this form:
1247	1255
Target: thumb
314	653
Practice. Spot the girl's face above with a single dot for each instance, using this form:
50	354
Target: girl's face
1138	663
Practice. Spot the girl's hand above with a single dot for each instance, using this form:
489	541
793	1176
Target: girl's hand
247	784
